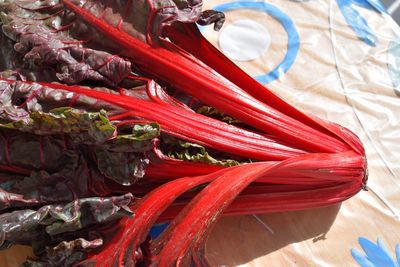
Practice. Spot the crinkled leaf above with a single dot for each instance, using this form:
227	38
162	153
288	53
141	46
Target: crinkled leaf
142	132
214	113
140	18
119	159
188	151
70	178
29	226
84	212
19	99
50	46
65	253
8	56
33	152
140	140
124	168
67	120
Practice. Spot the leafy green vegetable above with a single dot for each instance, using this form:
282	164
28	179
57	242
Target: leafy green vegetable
214	113
188	151
41	227
125	168
66	253
67	120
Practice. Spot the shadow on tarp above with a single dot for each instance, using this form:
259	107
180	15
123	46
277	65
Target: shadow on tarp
239	240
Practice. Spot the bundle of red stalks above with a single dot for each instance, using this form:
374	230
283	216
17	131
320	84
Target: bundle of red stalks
117	115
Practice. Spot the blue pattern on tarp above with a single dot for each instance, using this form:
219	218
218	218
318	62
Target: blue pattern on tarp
157	229
394	64
375	255
371	4
358	22
293	36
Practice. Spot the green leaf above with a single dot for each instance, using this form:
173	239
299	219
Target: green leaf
214	113
67	120
183	150
45	224
125	168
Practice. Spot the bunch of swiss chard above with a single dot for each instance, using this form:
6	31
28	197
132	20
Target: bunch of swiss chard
118	114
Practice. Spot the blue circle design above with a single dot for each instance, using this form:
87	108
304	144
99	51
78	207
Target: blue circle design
288	25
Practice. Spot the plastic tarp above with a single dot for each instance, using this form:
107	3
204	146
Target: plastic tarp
340	60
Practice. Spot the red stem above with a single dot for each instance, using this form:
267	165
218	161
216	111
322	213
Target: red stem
194	127
178	69
204	209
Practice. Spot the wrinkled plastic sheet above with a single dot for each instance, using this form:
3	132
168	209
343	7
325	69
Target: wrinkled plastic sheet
340	60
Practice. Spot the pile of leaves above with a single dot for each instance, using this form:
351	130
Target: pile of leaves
118	114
